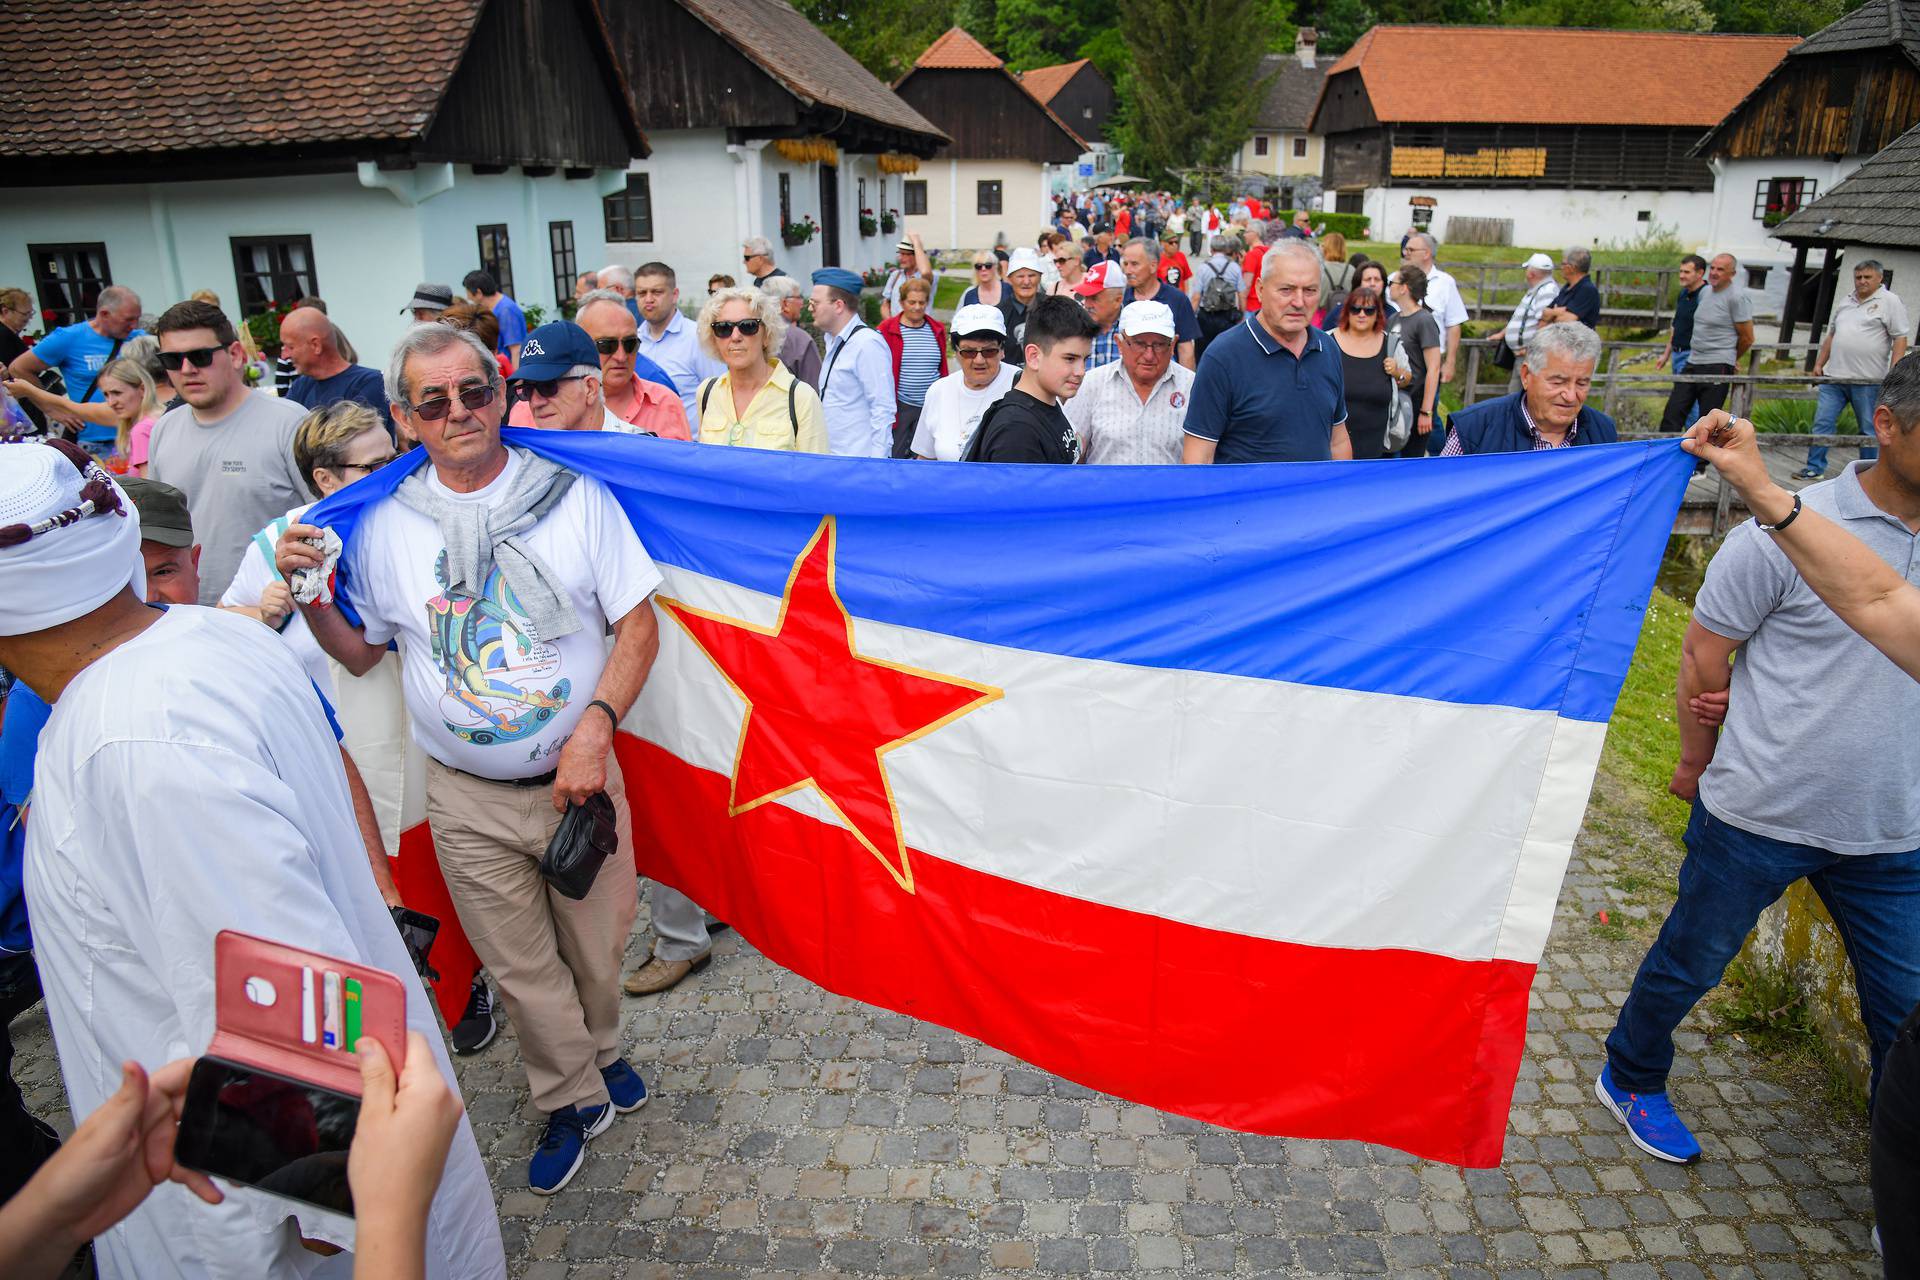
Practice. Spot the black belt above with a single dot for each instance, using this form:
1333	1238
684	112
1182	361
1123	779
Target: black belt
541	780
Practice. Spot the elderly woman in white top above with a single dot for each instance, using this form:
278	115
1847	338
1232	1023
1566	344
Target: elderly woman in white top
757	402
956	403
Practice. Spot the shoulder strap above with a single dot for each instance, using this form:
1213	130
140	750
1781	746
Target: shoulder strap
111	353
706	392
793	414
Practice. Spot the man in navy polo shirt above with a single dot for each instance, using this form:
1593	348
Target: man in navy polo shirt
1579	299
1270	389
1140	264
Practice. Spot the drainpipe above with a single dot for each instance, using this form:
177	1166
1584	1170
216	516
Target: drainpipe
409	186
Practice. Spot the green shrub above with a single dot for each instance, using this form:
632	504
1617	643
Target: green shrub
1351	225
1784	417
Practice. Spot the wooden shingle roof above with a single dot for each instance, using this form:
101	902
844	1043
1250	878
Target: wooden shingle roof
1874	206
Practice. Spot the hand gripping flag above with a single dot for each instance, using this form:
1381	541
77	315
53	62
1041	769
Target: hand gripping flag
1242	792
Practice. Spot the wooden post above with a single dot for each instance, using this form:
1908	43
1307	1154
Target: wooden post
1788	307
1471	393
1822	304
1610	363
1741	400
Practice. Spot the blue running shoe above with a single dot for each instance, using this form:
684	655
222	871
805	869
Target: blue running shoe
1650	1120
563	1147
624	1086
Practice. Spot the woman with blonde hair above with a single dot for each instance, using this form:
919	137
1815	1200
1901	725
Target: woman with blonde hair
757	402
128	402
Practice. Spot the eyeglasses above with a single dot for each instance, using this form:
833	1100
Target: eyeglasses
545	388
725	328
369	467
199	357
474	398
1151	348
607	346
978	353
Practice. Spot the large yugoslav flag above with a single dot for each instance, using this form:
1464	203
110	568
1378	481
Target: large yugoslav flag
1242	792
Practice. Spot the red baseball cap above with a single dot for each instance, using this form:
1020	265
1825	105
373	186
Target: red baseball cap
1101	275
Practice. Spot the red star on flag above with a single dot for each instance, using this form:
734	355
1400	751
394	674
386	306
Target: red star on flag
819	713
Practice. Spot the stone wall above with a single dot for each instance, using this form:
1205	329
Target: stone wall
1797	934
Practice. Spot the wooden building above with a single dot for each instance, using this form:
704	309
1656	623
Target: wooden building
1078	94
1283	150
1870	214
758	122
1532	135
254	150
1838	97
991	178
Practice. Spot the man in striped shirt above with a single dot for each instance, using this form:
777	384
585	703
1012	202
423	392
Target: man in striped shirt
1134	411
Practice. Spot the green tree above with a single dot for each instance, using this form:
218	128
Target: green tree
1195	82
884	36
1040	33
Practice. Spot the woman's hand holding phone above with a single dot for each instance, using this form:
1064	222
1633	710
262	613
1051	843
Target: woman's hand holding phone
399	1152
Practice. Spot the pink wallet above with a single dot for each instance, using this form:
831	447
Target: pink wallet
280	1009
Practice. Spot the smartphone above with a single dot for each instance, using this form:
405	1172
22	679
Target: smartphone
281	1135
417	931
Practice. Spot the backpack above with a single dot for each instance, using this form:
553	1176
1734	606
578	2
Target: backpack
793	416
1220	294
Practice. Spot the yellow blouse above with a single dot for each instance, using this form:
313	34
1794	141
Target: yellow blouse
768	423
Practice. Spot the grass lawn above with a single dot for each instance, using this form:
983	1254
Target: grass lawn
1642	742
946	295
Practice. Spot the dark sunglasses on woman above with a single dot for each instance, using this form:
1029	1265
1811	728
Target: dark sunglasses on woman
725	328
475	398
607	346
200	357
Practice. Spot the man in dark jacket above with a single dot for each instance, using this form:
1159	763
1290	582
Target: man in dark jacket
1549	411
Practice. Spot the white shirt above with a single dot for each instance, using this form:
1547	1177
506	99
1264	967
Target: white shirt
250	582
1117	429
1864	334
483	695
188	782
1525	320
856	390
952	412
1443	299
677	352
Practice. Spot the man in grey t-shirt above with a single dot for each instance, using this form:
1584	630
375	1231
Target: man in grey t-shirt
1722	333
1816	776
229	449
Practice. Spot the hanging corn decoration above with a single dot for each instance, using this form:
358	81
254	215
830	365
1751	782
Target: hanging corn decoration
891	162
807	150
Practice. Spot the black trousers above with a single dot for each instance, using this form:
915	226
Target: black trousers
906	418
1708	395
21	1148
1896	1152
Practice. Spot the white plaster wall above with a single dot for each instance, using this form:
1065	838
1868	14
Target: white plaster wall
1733	228
951	222
1551	218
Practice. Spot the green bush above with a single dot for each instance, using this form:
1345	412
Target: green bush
1785	417
1351	225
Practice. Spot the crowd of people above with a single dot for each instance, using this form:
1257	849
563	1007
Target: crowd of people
1102	344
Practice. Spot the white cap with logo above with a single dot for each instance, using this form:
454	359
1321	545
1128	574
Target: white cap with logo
978	317
1137	318
1539	262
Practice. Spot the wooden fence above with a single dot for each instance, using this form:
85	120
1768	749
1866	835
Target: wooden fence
1641	297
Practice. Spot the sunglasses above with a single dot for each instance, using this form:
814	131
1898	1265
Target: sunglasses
978	353
545	388
607	346
983	266
1364	311
199	357
472	397
725	328
1061	262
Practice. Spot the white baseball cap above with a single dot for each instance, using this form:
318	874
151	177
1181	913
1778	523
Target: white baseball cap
1025	259
1539	262
978	317
1146	317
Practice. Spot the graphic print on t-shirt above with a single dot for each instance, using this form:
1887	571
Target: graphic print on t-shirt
496	668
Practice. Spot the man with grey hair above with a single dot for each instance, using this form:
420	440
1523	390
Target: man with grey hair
1140	264
1578	300
1867	338
667	336
799	355
1443	298
1533	304
637	391
1722	334
504	573
80	352
756	255
1550	409
1273	388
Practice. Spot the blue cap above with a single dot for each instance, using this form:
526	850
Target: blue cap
838	278
552	351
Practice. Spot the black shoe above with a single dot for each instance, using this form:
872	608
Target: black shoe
476	1028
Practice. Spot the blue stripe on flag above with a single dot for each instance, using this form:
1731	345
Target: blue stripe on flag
1510	580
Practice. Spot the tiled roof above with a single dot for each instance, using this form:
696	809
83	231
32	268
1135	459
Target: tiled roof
957	51
1874	25
276	74
1872	207
1045	82
1293	92
806	61
1467	75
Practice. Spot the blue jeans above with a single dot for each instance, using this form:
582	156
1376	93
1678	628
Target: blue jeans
1730	876
1680	361
1833	397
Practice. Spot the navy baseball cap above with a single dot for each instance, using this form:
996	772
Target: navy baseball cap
552	351
838	278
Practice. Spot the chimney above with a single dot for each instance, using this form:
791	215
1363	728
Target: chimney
1304	41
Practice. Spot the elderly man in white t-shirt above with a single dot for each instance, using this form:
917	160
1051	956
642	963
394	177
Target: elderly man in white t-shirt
501	574
1443	298
1868	337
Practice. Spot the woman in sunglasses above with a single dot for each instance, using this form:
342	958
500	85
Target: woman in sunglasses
1069	266
956	403
987	287
1373	376
757	402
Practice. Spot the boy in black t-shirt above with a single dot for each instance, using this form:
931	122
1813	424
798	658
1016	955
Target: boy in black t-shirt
1026	424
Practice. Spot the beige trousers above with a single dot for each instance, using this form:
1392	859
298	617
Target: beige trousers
556	961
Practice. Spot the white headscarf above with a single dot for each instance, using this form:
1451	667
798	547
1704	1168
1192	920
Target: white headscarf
72	564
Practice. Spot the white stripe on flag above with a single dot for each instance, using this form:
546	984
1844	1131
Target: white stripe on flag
1283	811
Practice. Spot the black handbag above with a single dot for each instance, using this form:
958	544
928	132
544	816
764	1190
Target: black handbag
587	835
1503	357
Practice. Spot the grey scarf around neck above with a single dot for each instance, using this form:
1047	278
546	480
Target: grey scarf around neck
479	535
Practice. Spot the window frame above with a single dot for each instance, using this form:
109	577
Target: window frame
994	187
909	189
497	260
785	186
1804	191
1261	145
254	300
69	280
566	259
1300	146
627	214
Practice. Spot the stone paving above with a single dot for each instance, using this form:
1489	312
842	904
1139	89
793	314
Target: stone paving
795	1133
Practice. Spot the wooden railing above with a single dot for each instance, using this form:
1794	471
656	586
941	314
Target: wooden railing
1637	296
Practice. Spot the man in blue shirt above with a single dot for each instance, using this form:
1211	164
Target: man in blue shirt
484	291
308	339
81	351
1271	388
1140	263
668	338
1578	298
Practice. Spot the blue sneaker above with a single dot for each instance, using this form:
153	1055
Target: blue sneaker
1650	1119
563	1147
624	1086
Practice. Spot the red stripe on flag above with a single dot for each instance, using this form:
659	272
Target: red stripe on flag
416	873
1399	1047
